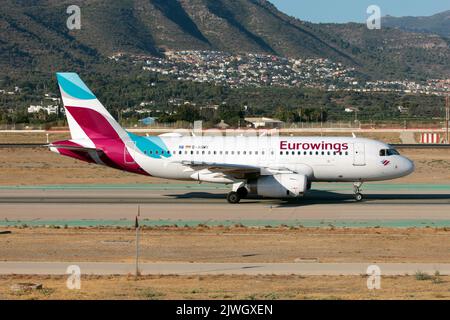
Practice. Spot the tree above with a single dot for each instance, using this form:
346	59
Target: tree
188	113
230	114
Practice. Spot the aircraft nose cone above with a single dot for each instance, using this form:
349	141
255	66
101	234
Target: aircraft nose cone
408	166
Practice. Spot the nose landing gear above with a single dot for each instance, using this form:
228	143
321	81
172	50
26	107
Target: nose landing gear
357	191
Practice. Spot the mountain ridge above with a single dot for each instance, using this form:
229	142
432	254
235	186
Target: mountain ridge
438	23
33	36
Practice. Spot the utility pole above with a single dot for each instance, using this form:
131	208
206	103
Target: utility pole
321	121
447	117
136	225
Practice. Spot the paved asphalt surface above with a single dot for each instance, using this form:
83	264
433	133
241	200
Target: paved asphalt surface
203	203
108	268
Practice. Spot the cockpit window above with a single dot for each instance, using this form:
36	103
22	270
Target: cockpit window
388	152
392	152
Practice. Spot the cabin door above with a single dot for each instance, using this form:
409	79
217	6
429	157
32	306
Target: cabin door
359	156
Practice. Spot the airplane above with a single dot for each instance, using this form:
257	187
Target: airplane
266	166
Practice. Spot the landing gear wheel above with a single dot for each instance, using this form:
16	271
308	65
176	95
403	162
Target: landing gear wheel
233	197
357	191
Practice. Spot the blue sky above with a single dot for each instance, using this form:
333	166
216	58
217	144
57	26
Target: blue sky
355	10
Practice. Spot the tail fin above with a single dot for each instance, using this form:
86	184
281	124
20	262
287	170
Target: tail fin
87	117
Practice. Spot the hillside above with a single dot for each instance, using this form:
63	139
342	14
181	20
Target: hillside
34	37
391	53
438	24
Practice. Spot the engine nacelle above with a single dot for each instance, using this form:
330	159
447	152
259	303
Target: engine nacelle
289	185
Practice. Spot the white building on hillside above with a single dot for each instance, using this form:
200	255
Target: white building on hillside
48	109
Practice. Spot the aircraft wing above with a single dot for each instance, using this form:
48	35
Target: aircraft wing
214	166
237	170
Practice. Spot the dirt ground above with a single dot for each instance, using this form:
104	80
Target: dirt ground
34	137
227	244
388	137
229	287
432	166
39	166
41	137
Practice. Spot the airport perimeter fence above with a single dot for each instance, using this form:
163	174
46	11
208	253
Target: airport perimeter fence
423	125
414	124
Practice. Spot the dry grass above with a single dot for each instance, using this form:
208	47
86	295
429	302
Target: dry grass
228	287
388	137
236	245
432	166
38	137
38	166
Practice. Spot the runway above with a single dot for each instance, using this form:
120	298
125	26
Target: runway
166	204
305	269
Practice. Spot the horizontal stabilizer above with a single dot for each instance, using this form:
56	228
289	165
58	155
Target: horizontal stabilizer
59	146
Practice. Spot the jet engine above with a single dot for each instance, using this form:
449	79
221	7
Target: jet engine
286	185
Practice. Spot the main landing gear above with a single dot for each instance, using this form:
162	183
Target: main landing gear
357	191
236	196
233	197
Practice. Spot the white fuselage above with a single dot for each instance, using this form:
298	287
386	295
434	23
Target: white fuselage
330	159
